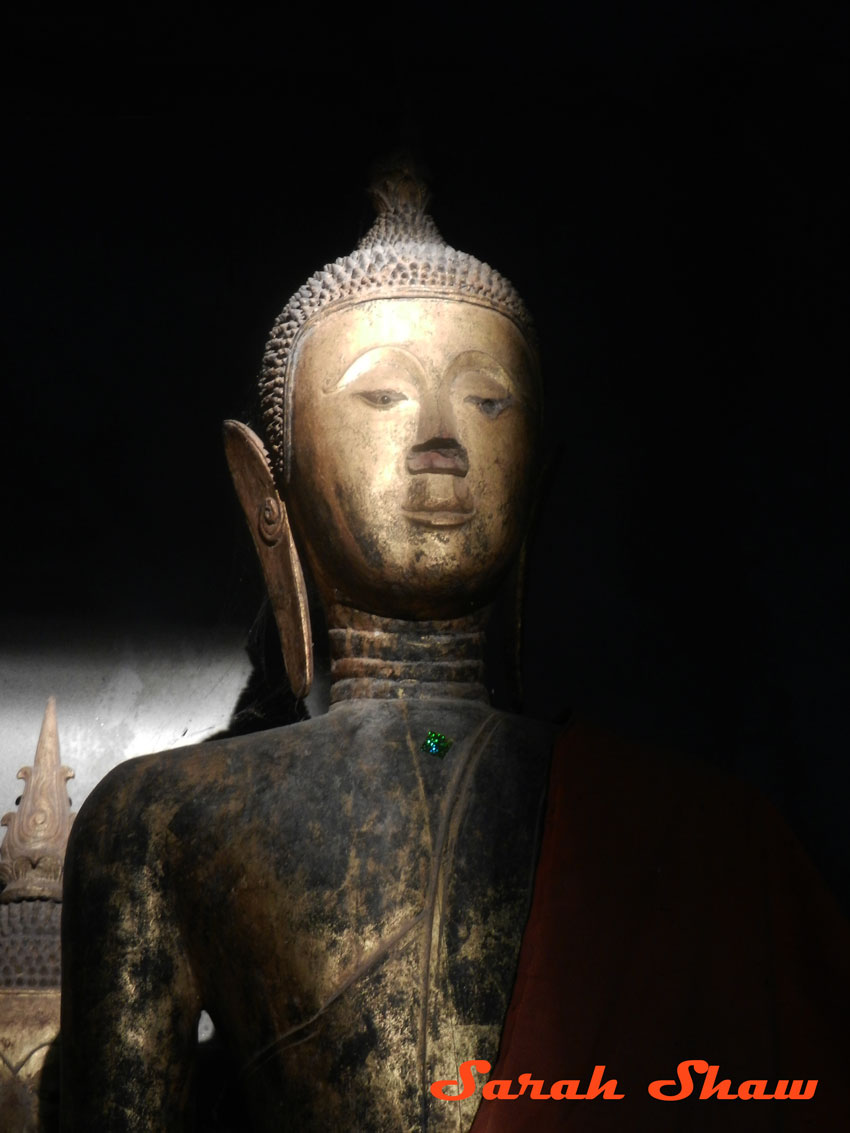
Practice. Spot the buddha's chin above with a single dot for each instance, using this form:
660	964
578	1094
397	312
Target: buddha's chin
423	588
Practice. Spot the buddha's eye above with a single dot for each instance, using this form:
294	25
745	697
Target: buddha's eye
490	406
381	398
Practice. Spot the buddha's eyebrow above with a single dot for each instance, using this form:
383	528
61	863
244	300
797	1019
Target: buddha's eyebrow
477	361
405	360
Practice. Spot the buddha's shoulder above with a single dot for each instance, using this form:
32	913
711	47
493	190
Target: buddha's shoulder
293	766
216	769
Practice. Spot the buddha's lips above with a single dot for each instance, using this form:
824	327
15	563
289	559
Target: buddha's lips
439	500
440	513
451	459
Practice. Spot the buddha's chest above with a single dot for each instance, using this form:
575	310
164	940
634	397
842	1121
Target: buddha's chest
387	905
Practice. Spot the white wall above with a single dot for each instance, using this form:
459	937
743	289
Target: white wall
119	693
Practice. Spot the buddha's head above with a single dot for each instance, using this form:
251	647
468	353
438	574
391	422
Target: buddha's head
400	401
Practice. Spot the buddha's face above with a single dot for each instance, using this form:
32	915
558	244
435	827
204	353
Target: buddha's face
413	431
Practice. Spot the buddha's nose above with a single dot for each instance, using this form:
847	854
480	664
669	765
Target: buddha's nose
437	448
439	454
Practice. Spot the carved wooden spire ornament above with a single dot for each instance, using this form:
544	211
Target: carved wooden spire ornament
33	850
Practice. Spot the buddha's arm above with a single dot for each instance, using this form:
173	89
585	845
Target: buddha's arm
129	1002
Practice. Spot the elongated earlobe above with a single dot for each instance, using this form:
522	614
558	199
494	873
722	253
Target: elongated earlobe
272	535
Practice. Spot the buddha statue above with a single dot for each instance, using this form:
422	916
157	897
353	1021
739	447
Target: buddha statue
344	896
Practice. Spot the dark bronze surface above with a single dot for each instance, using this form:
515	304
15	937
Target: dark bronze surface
347	908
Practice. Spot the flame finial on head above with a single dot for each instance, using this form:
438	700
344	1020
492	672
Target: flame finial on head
400	197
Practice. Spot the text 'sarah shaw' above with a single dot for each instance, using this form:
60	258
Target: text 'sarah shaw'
664	1090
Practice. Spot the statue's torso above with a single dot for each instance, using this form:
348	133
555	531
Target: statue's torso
353	906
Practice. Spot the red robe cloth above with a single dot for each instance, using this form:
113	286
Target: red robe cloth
675	917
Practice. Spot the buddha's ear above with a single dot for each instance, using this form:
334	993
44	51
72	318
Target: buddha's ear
272	535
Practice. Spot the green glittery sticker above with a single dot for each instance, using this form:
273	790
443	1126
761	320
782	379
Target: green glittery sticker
435	743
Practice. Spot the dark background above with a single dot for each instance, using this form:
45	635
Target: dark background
667	191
